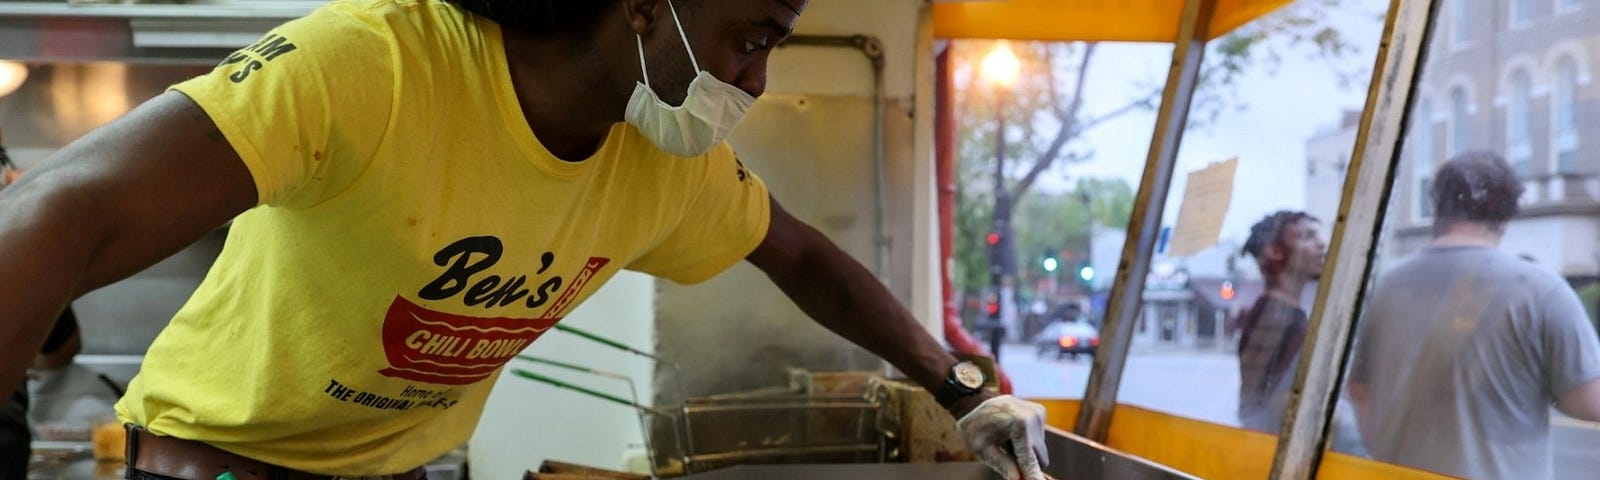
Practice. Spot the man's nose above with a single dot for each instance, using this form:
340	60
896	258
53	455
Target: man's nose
755	84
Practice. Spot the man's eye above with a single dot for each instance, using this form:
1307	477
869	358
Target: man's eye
751	46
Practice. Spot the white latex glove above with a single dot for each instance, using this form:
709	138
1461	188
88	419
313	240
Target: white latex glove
1003	425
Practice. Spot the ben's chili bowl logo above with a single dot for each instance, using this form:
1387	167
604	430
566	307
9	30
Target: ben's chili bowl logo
425	345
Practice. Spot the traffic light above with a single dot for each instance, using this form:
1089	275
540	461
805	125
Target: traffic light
992	305
1227	292
1086	273
1051	263
993	238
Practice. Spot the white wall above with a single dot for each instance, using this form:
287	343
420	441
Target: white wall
1563	244
527	422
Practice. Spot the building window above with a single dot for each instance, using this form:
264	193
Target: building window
1460	23
1424	199
1521	13
1564	118
1422	155
1460	121
1519	123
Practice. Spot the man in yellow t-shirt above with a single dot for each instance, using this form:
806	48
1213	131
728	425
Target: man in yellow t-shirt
419	189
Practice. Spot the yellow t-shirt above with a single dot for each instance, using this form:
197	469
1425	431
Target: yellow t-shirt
412	237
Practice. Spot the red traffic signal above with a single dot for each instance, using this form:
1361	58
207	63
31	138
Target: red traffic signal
993	238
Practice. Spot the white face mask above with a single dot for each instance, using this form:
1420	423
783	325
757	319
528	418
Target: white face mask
710	110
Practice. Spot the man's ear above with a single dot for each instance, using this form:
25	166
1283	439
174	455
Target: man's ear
9	176
1274	252
641	14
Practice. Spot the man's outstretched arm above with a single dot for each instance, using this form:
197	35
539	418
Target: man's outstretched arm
107	206
841	295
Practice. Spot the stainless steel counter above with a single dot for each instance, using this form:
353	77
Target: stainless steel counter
1071	457
70	461
880	471
75	461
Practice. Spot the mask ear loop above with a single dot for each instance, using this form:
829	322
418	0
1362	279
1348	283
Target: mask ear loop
642	68
682	35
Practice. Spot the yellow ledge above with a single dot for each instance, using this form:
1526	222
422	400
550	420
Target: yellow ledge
1086	20
1208	450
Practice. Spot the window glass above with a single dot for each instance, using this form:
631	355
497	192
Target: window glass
1521	12
1476	353
1461	21
1421	156
1519	123
1460	120
1564	117
1223	319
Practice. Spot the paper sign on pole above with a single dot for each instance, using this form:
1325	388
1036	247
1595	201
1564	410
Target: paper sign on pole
1205	205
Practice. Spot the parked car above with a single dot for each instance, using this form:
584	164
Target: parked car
1067	339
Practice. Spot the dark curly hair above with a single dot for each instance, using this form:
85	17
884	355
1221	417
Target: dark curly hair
1476	187
5	160
540	17
1269	231
546	17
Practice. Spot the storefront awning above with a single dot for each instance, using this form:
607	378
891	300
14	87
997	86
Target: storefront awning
1086	20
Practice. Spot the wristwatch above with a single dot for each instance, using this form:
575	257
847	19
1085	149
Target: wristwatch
964	379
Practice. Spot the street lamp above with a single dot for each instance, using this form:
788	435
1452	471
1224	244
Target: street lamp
12	74
1000	69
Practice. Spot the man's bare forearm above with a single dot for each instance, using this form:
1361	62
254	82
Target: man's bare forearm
48	247
109	205
844	297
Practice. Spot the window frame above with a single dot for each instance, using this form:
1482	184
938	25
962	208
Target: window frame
1564	102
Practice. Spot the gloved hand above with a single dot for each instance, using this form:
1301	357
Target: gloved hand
1006	425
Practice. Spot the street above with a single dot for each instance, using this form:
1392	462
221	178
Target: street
1204	385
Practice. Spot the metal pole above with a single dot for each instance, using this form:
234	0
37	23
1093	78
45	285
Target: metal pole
1002	212
1355	238
1122	311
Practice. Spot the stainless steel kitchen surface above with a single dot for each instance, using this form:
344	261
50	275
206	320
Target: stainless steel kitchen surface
1071	457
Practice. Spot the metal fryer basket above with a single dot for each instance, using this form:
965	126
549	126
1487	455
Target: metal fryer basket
782	427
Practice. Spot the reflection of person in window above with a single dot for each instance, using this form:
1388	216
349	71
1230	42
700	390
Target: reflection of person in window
1463	348
1289	251
59	348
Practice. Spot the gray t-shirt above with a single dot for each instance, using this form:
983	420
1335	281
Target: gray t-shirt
1464	350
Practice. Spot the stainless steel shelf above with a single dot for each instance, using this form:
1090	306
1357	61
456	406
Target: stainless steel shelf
265	9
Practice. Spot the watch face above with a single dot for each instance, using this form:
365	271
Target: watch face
969	375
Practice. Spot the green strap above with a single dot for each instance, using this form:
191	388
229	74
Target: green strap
554	363
541	378
597	338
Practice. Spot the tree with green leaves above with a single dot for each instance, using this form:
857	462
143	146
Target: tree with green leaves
1011	137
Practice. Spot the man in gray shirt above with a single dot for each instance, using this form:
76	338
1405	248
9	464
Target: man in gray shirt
1464	349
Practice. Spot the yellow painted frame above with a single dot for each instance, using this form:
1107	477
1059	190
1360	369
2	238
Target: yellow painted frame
1087	20
1209	450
